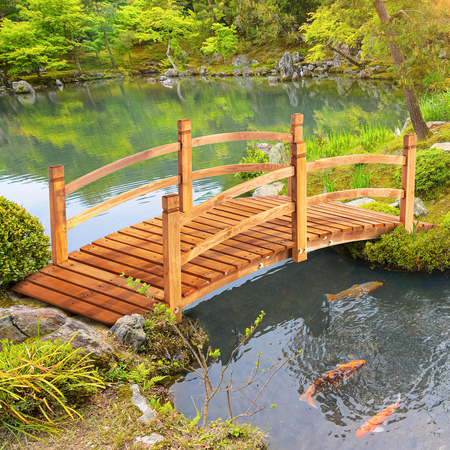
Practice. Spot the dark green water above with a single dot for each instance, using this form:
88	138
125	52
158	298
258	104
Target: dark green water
400	329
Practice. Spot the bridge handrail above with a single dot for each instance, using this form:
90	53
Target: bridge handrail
354	193
354	159
241	136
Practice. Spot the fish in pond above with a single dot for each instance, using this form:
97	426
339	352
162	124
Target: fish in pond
373	423
355	291
334	377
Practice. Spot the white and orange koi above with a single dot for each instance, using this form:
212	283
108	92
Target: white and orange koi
373	424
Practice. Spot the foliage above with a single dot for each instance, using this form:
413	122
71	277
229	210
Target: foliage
329	185
23	245
223	43
445	220
436	107
432	169
254	156
381	207
361	179
38	382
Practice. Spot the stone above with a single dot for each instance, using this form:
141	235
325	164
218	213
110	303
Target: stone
306	73
365	73
181	75
246	71
360	201
254	61
286	67
311	67
185	54
190	72
128	330
274	72
278	154
336	60
319	70
10	332
171	73
442	145
273	81
151	80
240	60
295	77
303	37
162	78
203	70
37	322
83	336
97	75
149	440
335	70
420	209
236	72
137	399
22	87
269	189
168	83
265	147
264	70
296	57
59	83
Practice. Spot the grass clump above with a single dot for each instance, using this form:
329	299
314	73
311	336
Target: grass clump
436	107
381	207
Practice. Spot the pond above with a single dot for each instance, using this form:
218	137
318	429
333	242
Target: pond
400	329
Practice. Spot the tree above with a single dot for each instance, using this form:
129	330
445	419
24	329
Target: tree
224	42
401	36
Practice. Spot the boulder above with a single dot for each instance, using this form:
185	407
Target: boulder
22	87
171	73
335	70
278	154
336	60
37	322
190	71
149	441
365	73
254	61
181	75
168	83
151	80
240	60
264	70
128	330
269	189
296	57
185	54
360	201
319	70
442	145
10	332
420	209
203	70
236	72
148	415
286	67
306	73
295	77
59	83
246	71
264	147
274	72
273	81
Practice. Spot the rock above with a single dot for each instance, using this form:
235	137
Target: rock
10	332
151	80
254	61
286	67
128	330
365	73
443	54
336	60
405	125
269	189
240	60
42	69
296	57
181	75
264	70
148	415
303	37
81	335
59	83
273	81
97	75
162	78
420	209
398	133
360	201
185	54
37	322
236	72
311	67
264	147
278	154
148	441
190	71
171	73
350	72
306	73
274	72
246	71
22	87
168	83
203	70
319	70
335	70
295	77
442	145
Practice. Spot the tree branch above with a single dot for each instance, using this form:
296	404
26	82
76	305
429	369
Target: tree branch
344	55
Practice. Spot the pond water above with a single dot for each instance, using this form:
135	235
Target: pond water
401	329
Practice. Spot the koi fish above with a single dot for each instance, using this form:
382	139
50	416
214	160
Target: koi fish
334	377
355	291
373	423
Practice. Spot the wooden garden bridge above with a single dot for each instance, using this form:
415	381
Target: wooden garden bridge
191	251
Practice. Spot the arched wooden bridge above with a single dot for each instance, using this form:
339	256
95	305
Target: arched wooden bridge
189	251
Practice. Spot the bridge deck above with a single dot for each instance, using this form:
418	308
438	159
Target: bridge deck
89	283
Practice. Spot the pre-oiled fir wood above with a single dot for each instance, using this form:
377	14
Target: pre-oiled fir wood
185	164
408	180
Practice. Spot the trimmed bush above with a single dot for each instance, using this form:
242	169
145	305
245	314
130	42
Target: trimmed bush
24	248
381	207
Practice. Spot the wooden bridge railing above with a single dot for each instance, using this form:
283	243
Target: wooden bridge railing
178	208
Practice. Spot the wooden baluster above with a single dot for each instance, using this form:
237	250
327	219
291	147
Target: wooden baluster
185	164
58	227
297	152
297	135
408	181
172	253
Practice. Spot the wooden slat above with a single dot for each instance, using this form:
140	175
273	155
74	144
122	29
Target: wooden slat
236	168
121	164
241	136
354	159
354	193
335	214
366	213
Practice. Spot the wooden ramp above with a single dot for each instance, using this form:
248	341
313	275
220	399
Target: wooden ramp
191	251
89	283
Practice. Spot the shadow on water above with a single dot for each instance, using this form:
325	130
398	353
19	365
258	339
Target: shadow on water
401	329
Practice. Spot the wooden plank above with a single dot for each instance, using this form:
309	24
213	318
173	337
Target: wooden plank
367	213
67	303
240	136
354	193
121	198
185	164
346	215
408	181
121	164
353	159
236	168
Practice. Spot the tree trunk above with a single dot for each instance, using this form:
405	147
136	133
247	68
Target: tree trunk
420	127
113	62
346	56
168	54
212	10
76	59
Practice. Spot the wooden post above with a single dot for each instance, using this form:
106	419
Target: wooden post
185	164
172	253
58	227
408	181
297	152
297	135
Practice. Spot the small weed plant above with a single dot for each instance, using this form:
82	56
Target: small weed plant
361	179
329	185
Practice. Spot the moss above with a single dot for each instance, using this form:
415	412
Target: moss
381	207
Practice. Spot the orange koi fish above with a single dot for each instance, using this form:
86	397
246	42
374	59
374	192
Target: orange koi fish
334	377
373	423
355	291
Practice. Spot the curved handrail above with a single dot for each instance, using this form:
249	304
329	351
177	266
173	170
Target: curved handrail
236	168
354	159
241	136
354	193
121	198
204	207
121	164
242	226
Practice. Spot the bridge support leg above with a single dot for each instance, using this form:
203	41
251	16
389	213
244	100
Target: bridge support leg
172	253
297	135
58	225
185	164
408	181
298	196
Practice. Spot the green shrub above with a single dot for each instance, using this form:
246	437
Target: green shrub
254	155
381	207
24	248
432	169
38	382
436	107
445	220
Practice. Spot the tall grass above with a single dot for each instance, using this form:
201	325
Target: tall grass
367	137
436	107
